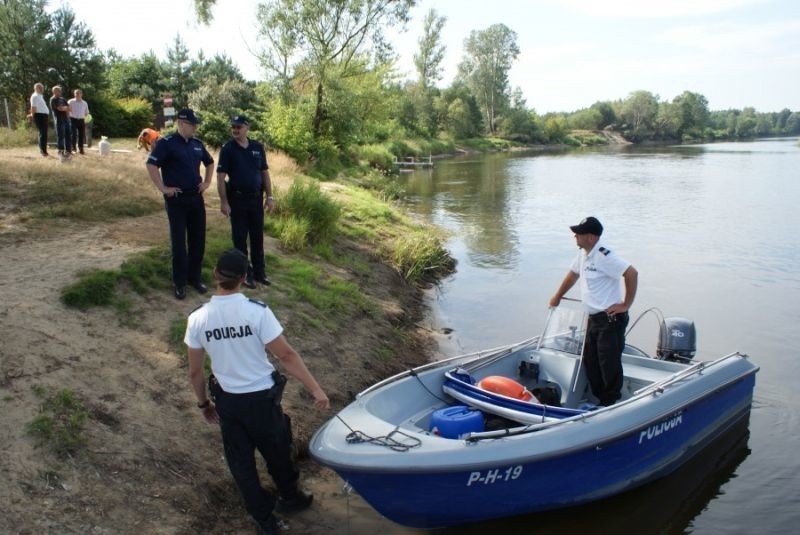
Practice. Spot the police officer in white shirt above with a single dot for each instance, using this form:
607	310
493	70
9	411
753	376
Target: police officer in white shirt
246	389
599	271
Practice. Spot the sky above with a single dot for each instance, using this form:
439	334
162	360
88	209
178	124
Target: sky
573	53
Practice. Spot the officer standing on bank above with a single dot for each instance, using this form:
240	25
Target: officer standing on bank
178	159
246	389
242	197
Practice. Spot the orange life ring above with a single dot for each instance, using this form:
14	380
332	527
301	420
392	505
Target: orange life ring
506	387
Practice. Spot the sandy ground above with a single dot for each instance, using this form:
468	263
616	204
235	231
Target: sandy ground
151	464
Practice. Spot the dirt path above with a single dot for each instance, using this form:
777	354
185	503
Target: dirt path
152	465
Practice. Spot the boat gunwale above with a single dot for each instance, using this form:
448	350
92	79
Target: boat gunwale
474	438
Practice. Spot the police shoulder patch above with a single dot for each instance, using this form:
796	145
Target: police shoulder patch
259	303
604	251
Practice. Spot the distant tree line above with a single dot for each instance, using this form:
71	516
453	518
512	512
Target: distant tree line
331	94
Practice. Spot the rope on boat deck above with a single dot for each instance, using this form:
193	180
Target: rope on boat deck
387	441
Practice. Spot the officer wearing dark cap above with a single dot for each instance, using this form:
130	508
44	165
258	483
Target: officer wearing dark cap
599	271
245	195
178	158
245	391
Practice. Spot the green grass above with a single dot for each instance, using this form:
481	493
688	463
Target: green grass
60	422
81	190
420	256
21	136
94	288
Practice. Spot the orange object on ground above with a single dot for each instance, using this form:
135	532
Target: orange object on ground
147	137
506	387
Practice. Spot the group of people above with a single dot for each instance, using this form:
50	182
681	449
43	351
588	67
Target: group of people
243	393
243	185
69	118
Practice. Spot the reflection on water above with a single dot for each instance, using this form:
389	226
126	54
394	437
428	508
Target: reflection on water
710	228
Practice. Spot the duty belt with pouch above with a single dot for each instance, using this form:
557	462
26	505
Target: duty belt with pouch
276	392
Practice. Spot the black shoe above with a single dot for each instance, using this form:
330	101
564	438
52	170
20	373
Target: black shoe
180	292
248	281
300	500
273	526
263	280
199	286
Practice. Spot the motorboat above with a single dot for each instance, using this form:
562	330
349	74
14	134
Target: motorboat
515	429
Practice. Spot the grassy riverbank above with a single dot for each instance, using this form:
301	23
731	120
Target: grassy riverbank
102	433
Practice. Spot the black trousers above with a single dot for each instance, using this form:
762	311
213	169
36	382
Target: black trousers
41	121
602	355
187	231
255	421
78	133
247	220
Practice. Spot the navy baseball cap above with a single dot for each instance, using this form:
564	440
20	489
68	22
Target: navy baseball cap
232	264
589	225
240	120
187	114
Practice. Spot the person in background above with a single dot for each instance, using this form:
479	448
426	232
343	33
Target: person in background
174	168
599	271
245	195
147	138
39	113
78	110
245	389
60	108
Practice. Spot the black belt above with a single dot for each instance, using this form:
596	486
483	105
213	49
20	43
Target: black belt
246	193
606	316
184	193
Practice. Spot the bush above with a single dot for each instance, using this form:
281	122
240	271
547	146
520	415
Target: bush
307	202
420	256
120	117
94	289
294	233
377	156
19	137
214	129
289	129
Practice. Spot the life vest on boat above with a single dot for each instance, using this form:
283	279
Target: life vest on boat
506	387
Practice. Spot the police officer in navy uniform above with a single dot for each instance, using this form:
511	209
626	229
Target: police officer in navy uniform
246	389
245	195
178	158
599	271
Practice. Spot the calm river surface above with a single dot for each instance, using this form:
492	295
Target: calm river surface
714	233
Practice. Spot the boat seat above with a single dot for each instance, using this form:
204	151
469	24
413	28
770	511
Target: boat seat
562	369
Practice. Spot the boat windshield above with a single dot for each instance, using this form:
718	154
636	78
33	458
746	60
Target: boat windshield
565	328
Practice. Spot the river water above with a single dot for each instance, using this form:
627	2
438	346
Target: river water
713	231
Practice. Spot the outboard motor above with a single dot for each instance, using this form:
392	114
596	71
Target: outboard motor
677	340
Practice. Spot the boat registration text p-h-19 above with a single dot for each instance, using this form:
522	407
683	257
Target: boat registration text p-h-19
495	475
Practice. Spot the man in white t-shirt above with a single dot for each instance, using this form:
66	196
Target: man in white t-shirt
599	271
78	110
246	389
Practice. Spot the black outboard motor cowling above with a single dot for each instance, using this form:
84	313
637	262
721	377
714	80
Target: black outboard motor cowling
677	340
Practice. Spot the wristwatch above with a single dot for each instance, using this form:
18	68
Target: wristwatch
204	404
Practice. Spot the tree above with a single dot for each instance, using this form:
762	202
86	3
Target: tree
692	112
639	112
321	37
488	56
40	47
428	60
142	77
746	123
